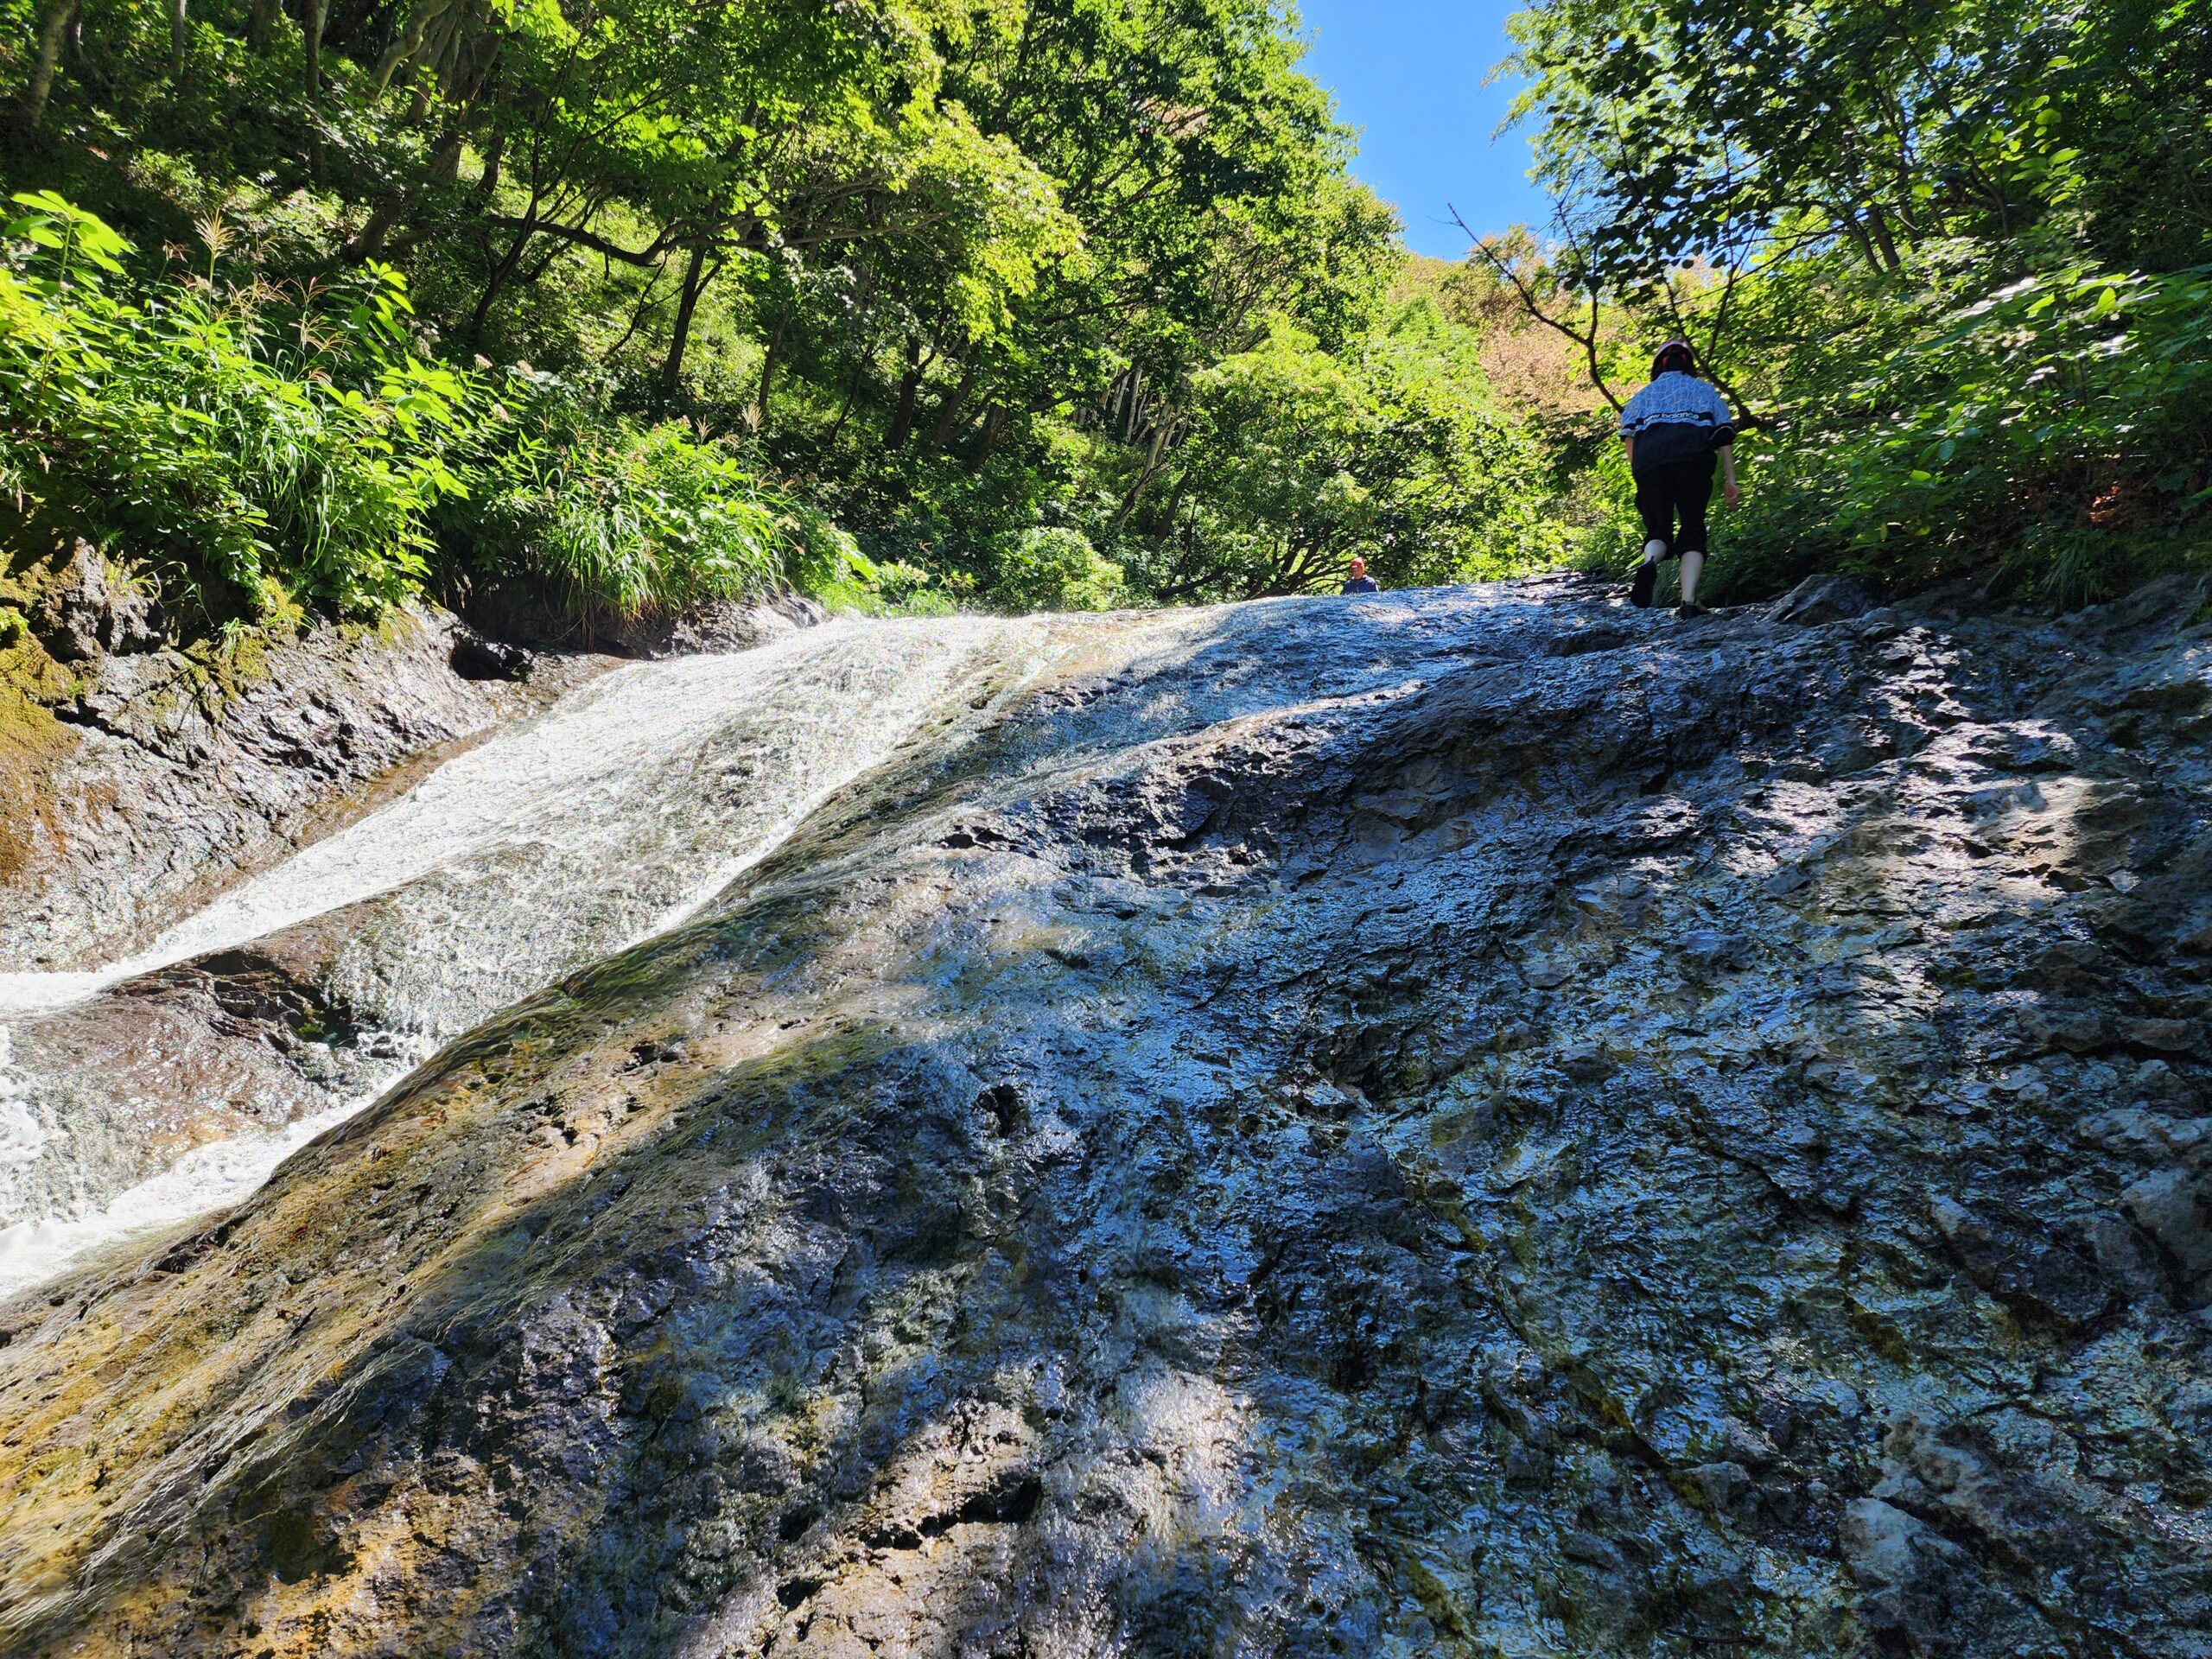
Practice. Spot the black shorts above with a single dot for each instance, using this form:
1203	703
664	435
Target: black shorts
1672	491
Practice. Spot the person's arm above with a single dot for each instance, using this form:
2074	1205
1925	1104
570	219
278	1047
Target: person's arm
1628	448
1723	445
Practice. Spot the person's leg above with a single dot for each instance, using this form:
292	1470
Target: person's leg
1693	494
1693	567
1655	506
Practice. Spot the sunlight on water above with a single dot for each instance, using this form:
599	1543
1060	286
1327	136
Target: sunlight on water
614	816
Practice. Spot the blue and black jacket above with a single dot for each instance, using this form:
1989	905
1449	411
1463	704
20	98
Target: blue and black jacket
1677	417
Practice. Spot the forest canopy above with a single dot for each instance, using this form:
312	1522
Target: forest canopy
949	274
570	309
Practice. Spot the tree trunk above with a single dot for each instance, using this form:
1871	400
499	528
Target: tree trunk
53	29
1860	240
994	423
180	33
759	417
1151	470
260	23
498	280
445	160
312	19
311	23
909	387
1878	224
369	244
488	182
1162	518
687	304
948	415
852	394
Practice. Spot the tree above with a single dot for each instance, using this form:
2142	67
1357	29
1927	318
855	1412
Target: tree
1299	459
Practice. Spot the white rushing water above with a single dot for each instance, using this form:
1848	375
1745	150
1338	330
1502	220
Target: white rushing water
613	817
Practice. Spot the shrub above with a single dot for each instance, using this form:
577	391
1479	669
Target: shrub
256	446
2058	430
247	447
1051	568
614	520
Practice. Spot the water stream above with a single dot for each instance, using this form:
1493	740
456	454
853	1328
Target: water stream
614	816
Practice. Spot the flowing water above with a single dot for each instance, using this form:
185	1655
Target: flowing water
1467	1122
612	817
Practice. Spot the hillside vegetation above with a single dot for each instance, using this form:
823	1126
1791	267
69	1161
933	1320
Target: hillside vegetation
1955	258
619	305
632	303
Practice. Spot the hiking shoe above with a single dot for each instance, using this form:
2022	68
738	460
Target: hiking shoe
1687	609
1640	587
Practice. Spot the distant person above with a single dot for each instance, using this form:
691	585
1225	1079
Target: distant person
1361	583
1672	430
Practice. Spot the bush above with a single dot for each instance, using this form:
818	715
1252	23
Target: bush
1051	568
1392	450
2058	432
256	447
612	519
247	449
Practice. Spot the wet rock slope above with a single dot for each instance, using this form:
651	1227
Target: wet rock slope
1476	1122
136	1093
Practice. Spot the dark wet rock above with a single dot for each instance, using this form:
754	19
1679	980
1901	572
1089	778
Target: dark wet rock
1377	1132
1919	1589
728	625
1721	1487
2026	1263
523	613
2174	1206
2167	602
475	657
86	609
71	614
1821	598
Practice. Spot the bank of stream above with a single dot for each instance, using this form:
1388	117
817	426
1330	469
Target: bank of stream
1470	1122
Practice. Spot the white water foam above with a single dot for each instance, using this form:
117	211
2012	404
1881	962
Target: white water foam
615	815
207	1178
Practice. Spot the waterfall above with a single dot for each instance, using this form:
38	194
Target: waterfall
613	817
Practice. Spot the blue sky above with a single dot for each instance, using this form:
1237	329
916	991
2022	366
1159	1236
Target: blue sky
1409	74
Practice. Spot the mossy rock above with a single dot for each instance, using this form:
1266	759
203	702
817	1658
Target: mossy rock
30	737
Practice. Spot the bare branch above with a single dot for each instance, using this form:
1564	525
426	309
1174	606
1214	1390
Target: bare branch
1534	307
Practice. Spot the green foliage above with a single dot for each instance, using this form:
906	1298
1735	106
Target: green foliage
270	449
1299	459
260	448
2065	419
620	520
897	588
1052	567
1951	257
949	270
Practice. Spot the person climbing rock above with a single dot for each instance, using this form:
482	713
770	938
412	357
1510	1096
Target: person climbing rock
1673	429
1360	582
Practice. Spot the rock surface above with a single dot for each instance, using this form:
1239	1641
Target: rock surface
1476	1122
86	611
1821	598
524	615
177	783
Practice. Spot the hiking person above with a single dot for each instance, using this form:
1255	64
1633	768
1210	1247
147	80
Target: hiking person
1361	583
1672	430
